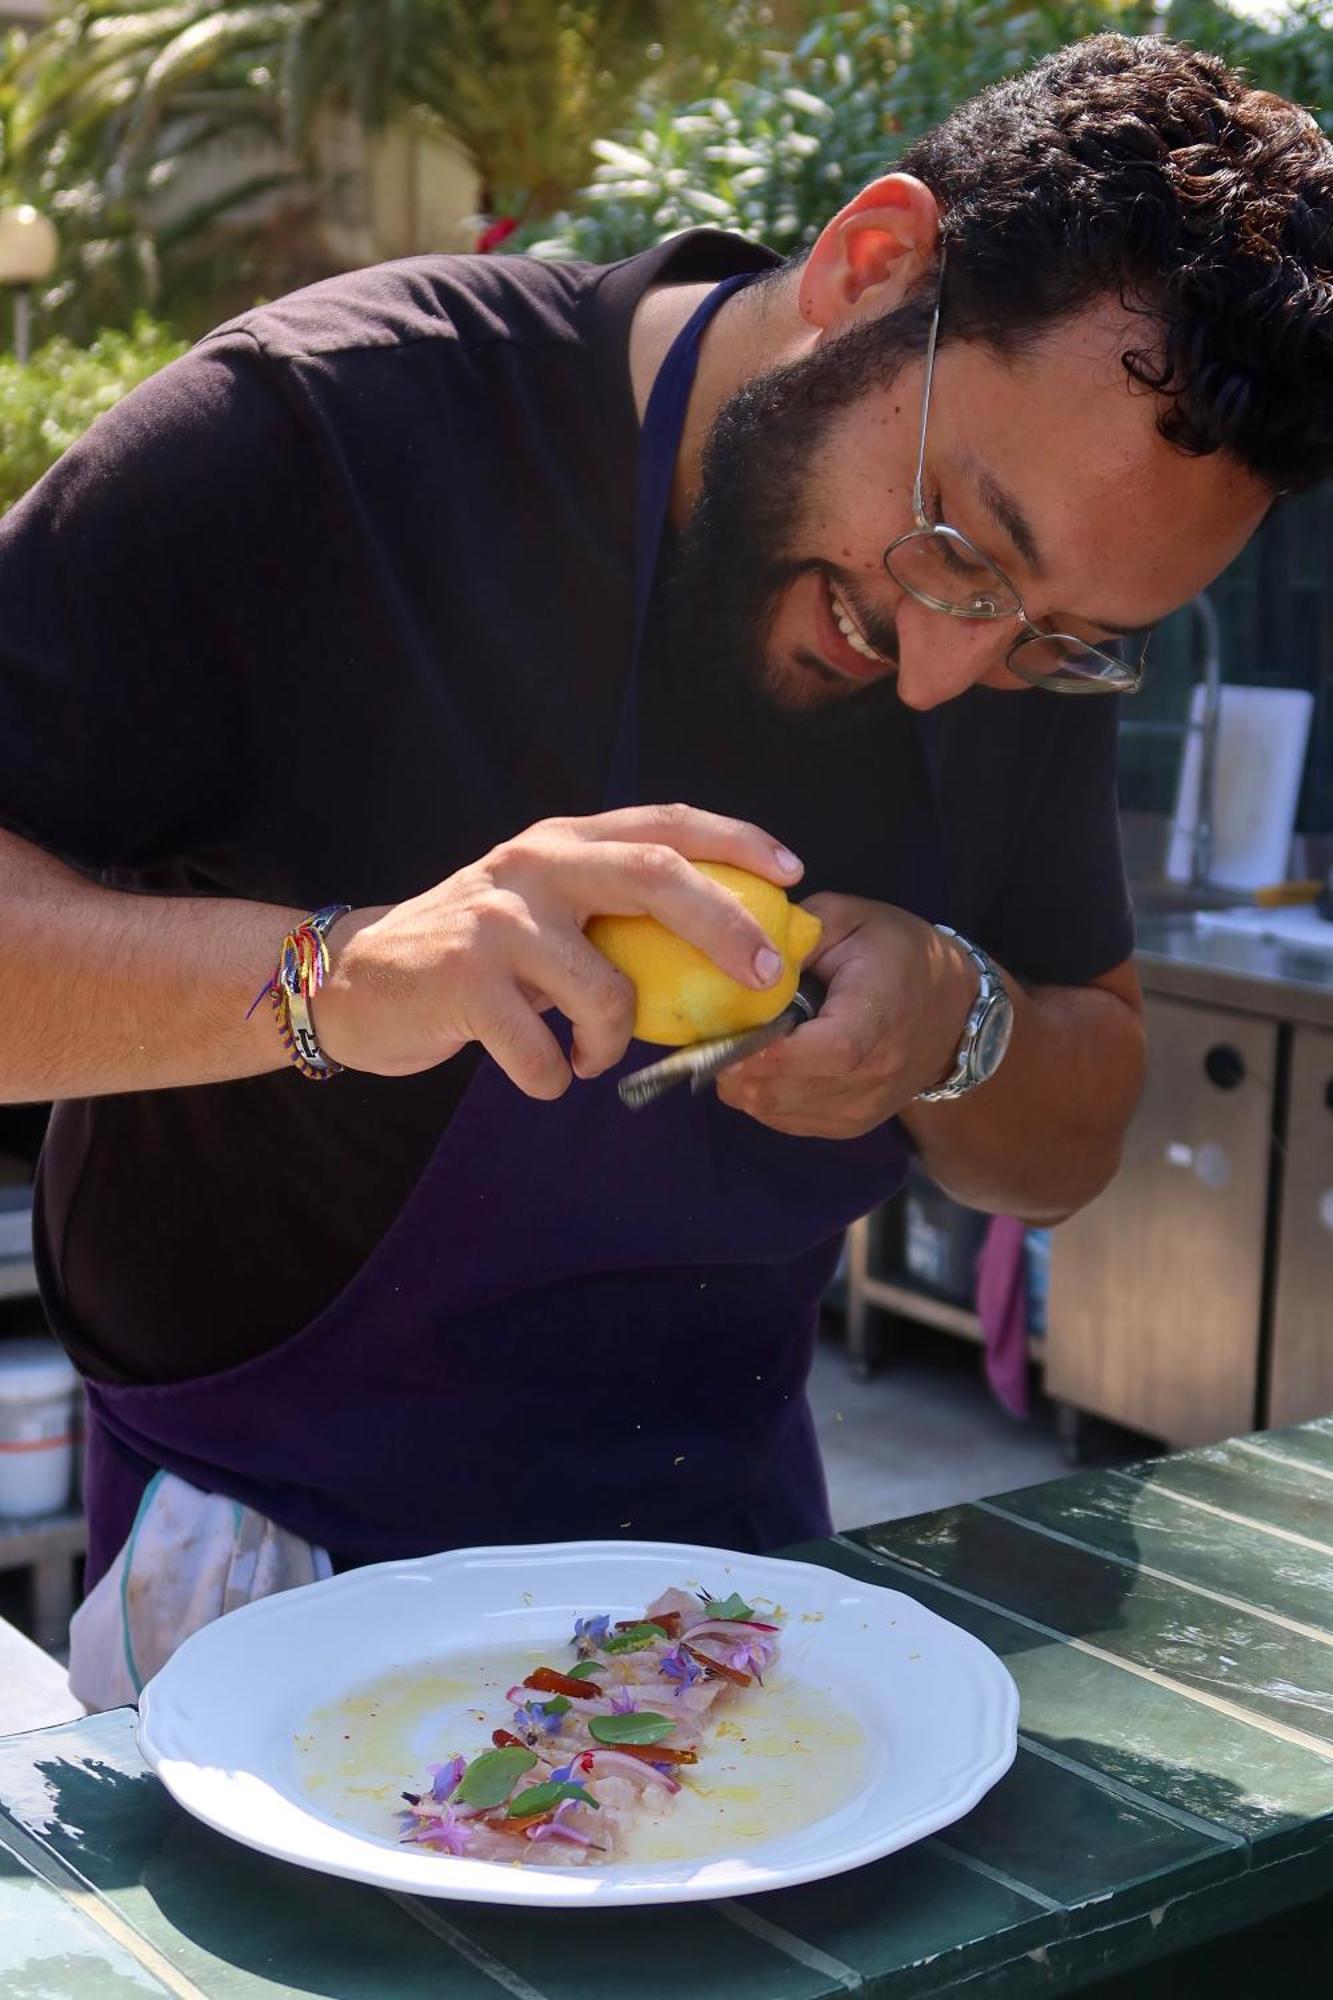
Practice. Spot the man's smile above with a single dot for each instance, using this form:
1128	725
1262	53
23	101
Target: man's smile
842	644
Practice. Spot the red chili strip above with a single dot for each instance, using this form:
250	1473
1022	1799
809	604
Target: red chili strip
668	1620
651	1753
549	1681
518	1825
719	1667
505	1739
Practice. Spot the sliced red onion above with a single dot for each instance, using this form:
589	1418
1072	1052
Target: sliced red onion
553	1832
611	1764
729	1628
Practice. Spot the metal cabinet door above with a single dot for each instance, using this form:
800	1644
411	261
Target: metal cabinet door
1156	1287
1301	1369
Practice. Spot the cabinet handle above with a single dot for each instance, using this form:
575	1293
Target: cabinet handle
1224	1066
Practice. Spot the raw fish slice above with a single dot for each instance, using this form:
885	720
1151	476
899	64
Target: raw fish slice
667	1677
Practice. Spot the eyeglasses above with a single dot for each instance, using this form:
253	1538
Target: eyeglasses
943	570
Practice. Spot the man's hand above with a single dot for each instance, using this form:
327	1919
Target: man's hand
485	953
1038	1140
898	998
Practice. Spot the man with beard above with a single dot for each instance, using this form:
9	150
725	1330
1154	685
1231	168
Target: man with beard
382	618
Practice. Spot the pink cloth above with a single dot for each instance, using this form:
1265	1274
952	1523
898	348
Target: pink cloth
1002	1303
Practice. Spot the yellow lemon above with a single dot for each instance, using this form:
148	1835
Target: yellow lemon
681	995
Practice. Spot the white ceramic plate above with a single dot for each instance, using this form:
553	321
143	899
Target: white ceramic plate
227	1724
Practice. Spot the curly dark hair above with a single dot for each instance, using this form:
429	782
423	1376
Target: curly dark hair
1136	165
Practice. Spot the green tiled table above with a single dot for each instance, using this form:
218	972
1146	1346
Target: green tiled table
1170	1628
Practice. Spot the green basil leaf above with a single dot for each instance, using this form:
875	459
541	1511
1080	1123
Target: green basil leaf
633	1641
584	1671
540	1799
642	1726
490	1778
559	1704
729	1607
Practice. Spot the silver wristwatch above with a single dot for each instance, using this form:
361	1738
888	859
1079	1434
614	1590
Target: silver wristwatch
986	1031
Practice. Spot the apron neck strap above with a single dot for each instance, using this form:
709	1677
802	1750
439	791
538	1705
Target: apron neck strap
659	442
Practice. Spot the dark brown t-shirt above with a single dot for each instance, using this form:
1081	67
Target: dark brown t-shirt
323	612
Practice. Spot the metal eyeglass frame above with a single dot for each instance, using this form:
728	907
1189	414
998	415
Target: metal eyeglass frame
1118	678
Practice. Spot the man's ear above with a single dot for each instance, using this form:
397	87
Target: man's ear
867	258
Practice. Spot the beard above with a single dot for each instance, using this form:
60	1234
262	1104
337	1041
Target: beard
722	580
723	724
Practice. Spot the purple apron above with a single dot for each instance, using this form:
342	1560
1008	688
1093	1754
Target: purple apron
585	1322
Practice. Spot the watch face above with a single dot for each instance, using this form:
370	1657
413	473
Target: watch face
992	1037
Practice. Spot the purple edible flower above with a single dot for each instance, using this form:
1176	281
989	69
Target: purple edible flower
445	1831
534	1717
623	1702
445	1778
556	1828
590	1633
677	1666
450	1834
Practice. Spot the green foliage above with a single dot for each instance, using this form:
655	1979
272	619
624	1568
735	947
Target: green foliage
774	155
714	113
1289	51
103	110
523	85
47	404
100	114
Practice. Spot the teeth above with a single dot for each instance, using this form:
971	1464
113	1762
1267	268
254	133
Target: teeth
850	631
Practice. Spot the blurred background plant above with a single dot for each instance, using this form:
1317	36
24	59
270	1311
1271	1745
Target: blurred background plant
196	157
107	112
190	152
774	154
47	404
101	115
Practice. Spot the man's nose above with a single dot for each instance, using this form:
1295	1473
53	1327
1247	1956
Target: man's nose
940	657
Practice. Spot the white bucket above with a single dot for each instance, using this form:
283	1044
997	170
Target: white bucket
38	1386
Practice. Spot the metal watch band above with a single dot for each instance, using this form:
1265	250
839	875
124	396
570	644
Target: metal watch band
960	1080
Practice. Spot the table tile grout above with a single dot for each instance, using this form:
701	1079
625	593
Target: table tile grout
1322	1638
1219	1704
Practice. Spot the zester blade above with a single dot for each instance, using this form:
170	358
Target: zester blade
699	1064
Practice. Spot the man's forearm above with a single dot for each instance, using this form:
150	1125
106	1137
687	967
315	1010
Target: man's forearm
102	991
1044	1135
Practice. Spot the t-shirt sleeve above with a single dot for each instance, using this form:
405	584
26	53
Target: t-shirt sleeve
131	579
1048	893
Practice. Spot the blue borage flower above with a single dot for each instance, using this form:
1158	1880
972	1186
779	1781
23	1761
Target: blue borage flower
623	1702
537	1716
590	1633
445	1779
677	1666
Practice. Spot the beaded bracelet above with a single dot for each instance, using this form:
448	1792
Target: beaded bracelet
302	966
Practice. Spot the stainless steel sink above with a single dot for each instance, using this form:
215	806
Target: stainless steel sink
1181	899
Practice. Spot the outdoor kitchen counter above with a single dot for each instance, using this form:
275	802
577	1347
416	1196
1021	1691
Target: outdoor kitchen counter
1170	1628
1221	969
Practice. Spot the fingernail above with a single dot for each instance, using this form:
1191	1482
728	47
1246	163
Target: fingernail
789	863
767	965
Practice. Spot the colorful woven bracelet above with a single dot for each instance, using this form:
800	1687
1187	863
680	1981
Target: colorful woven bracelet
302	966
